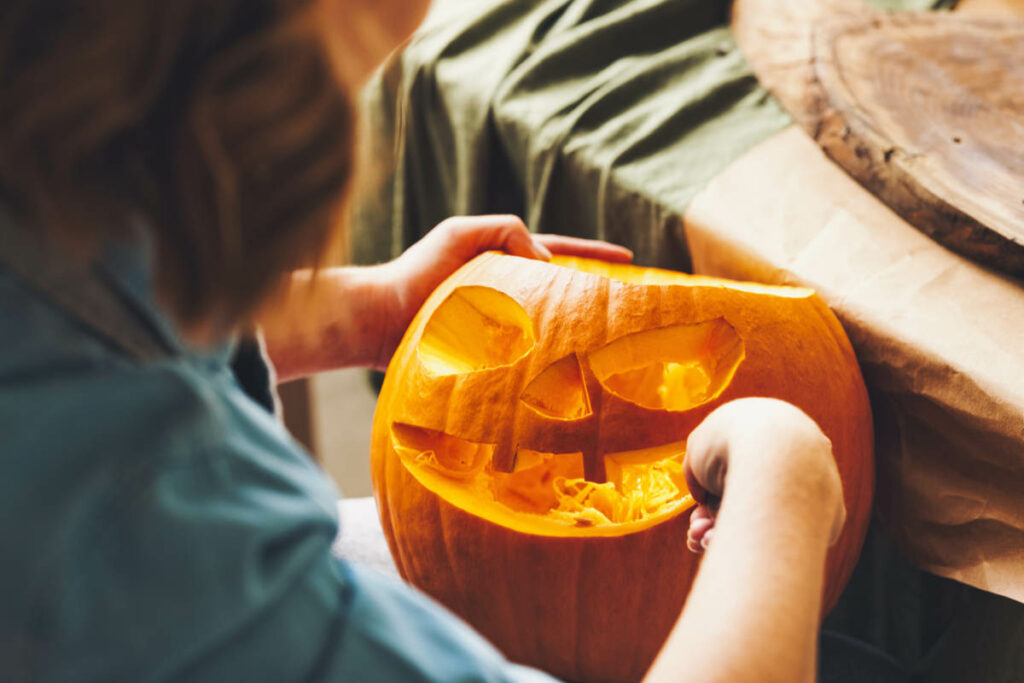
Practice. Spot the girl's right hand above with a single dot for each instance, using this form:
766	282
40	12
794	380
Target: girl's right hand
773	439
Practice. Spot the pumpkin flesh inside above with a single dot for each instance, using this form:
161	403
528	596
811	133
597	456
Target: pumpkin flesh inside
547	493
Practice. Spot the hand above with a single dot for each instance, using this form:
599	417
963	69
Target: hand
786	446
769	492
442	251
347	315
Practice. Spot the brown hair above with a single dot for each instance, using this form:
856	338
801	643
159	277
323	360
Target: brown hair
220	122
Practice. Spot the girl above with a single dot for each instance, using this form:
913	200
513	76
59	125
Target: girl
166	168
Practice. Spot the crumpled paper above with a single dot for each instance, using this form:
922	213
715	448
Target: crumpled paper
940	341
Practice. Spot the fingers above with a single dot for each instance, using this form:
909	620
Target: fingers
472	235
771	441
575	246
702	524
750	429
467	236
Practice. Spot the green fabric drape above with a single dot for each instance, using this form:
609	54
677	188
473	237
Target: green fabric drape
596	118
573	114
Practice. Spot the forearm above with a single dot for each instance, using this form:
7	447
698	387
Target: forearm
357	316
754	610
339	319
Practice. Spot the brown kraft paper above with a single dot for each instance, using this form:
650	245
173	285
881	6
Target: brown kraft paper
940	341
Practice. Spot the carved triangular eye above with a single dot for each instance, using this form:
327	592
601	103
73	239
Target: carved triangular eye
475	328
671	368
559	391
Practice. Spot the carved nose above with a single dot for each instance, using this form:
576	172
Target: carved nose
559	391
567	391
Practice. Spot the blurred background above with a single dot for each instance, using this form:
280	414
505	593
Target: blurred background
331	414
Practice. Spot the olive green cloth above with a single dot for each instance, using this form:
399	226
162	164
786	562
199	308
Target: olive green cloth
596	118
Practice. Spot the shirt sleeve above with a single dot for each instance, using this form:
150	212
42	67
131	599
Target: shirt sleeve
397	634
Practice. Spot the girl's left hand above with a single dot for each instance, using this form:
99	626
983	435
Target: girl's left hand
442	251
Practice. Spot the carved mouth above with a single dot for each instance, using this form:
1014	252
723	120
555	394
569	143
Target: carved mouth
547	490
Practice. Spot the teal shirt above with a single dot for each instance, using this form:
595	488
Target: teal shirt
157	524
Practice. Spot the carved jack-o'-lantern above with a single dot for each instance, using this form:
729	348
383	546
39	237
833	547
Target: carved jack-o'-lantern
528	443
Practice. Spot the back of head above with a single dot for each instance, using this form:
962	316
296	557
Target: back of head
219	122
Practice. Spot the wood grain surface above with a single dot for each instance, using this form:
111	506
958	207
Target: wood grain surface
925	110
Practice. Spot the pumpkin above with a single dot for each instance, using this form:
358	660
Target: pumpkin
529	436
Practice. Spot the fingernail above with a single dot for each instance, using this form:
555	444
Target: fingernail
541	251
705	541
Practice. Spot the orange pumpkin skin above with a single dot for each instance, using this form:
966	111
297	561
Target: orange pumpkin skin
590	602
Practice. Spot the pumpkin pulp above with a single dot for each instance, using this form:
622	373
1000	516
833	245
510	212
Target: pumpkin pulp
547	493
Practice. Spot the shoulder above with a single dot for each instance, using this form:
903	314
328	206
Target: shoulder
86	441
75	410
59	379
38	337
85	424
114	471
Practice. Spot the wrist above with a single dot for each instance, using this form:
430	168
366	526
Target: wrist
339	317
797	477
358	310
387	311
